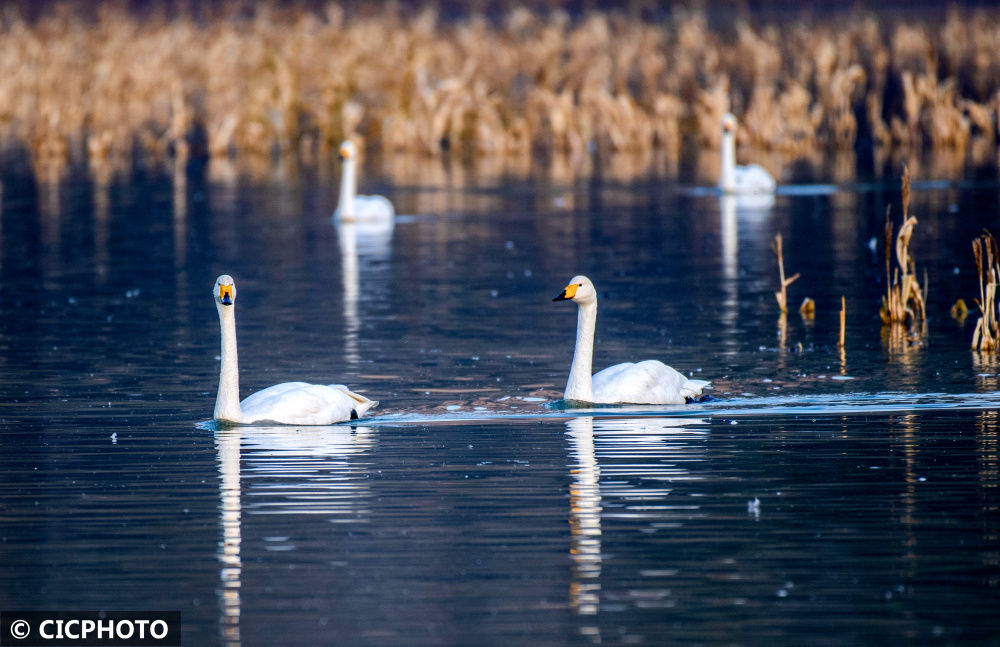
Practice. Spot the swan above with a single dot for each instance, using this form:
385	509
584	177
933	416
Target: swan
740	179
290	403
353	207
646	382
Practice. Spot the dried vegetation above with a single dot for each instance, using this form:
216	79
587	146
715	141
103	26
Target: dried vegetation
905	301
782	294
987	334
226	79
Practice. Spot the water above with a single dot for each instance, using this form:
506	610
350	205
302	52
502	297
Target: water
818	498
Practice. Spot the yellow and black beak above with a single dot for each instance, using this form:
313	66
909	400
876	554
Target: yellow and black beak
226	295
568	293
345	154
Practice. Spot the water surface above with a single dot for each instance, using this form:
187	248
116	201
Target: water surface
820	497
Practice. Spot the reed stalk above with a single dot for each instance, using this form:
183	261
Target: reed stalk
986	337
808	309
782	295
905	300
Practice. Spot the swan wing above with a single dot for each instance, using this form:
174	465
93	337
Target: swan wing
754	178
373	207
299	403
647	382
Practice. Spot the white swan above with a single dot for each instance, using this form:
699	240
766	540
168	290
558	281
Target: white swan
647	382
740	179
290	403
353	207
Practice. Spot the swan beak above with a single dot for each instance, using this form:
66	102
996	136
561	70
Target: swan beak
568	293
226	295
345	154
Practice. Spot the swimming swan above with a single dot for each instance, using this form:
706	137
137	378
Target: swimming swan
740	179
290	403
647	382
353	207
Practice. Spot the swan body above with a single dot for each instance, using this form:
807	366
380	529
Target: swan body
290	403
752	178
646	382
352	207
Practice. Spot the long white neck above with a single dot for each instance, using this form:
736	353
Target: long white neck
580	384
227	402
348	189
727	174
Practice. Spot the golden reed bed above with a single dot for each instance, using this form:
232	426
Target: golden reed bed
250	79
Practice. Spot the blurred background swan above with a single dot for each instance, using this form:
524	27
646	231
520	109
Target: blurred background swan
365	226
354	207
752	178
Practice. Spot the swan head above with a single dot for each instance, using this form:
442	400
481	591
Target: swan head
225	291
728	123
348	151
579	290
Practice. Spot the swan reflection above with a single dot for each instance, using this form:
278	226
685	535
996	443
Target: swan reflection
228	447
283	470
750	210
364	247
625	464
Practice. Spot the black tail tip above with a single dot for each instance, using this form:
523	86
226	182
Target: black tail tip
354	414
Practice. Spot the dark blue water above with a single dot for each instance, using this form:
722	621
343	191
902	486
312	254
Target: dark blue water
818	498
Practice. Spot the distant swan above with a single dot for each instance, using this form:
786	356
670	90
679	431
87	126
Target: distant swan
740	179
290	403
647	382
353	207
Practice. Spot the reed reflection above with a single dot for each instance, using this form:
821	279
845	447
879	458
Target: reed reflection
288	470
102	174
49	179
180	215
640	461
986	365
988	441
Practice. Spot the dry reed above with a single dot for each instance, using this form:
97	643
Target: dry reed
959	311
904	301
782	295
808	309
222	79
987	334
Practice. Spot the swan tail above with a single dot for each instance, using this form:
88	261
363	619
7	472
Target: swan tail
691	390
362	404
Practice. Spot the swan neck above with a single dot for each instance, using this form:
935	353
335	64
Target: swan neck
227	402
580	384
727	176
348	189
